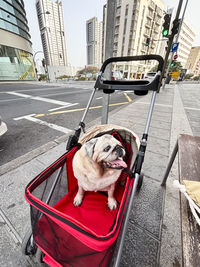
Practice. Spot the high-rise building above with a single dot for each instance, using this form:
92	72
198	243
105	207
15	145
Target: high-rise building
94	32
193	62
51	23
186	39
135	21
16	61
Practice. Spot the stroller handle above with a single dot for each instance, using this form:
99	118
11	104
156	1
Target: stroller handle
138	86
134	58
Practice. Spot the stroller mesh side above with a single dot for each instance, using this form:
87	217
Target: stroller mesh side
64	247
82	245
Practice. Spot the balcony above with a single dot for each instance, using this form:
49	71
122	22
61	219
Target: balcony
119	2
156	30
158	21
159	13
148	25
151	5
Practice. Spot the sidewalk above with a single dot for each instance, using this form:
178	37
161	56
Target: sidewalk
153	236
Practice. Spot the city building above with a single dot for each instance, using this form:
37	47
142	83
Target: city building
193	62
51	24
135	21
94	34
16	61
186	39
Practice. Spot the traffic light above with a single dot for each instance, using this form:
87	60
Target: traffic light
43	63
147	41
166	25
172	63
175	27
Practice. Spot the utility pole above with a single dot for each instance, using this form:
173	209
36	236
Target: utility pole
110	23
177	36
170	37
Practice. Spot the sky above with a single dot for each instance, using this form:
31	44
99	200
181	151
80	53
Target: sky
76	13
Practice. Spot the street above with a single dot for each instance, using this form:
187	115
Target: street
37	113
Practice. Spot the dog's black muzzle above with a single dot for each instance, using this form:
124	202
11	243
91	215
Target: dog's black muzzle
119	150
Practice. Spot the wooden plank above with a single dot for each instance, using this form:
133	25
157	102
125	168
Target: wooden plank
189	169
189	157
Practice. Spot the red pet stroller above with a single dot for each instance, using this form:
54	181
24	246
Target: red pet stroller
64	235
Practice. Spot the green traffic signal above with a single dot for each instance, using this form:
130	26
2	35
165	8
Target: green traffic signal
147	41
166	25
172	63
165	32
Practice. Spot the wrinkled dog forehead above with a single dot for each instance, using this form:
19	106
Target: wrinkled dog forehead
107	139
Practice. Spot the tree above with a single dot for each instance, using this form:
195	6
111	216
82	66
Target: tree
196	78
177	66
88	69
188	76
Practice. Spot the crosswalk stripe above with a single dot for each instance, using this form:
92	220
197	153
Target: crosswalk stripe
50	125
44	99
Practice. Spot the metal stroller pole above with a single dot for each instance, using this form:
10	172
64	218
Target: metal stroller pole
137	176
118	258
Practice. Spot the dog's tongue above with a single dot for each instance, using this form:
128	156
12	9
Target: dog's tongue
118	163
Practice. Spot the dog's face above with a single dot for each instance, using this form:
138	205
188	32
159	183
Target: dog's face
106	150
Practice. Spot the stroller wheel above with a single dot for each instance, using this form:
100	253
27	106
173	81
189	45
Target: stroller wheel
140	181
28	244
39	257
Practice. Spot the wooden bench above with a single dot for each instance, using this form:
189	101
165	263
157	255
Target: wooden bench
188	148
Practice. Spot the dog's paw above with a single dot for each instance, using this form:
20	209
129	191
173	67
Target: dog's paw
112	203
78	200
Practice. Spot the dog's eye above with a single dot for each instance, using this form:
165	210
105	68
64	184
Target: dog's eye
107	149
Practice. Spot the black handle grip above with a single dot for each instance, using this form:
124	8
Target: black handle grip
143	86
134	58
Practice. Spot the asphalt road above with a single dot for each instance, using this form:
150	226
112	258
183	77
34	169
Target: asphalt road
36	113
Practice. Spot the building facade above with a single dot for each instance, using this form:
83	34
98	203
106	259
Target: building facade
94	34
16	62
186	39
51	24
193	62
135	21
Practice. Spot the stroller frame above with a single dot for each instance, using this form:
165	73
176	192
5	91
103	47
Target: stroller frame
140	87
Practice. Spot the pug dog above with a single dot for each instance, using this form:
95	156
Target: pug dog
97	165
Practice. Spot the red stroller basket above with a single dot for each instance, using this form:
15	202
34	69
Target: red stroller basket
85	235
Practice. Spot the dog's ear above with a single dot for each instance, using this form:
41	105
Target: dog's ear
89	147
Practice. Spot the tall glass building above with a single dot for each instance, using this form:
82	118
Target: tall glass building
16	61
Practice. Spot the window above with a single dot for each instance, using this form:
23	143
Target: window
90	32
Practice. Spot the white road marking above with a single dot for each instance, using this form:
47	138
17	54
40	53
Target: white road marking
196	109
53	109
99	97
50	125
19	94
44	99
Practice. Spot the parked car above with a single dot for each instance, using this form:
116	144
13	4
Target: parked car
116	75
150	76
3	127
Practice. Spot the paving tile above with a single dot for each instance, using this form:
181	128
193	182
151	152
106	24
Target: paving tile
10	251
12	189
147	207
136	252
158	146
154	165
